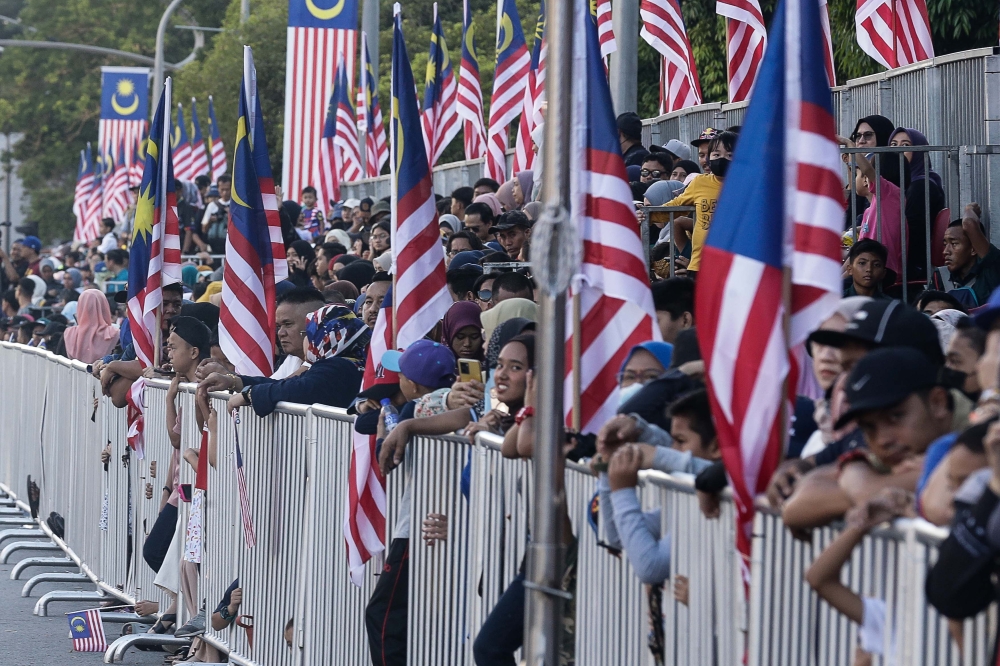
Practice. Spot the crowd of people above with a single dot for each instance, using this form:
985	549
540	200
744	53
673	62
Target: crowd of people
897	414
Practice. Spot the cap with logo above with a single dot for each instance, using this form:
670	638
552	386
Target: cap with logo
886	377
707	135
887	323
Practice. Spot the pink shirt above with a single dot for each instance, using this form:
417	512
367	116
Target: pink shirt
891	236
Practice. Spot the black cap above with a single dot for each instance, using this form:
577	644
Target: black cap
887	323
630	124
379	392
120	296
886	377
511	219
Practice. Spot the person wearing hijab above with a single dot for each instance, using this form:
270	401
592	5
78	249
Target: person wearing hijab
872	131
533	209
335	342
359	273
189	275
505	195
300	254
448	224
94	336
72	279
492	201
461	330
212	289
917	214
504	310
523	183
644	363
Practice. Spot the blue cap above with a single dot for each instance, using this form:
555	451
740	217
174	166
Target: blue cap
425	362
986	316
33	242
469	258
495	246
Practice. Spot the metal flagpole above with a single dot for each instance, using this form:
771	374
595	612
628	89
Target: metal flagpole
544	599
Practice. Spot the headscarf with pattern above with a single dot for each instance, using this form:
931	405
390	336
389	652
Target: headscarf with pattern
335	331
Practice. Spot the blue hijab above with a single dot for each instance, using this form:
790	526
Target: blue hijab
661	350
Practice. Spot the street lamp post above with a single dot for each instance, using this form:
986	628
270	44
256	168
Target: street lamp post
161	33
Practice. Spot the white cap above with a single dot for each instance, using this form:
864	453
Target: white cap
352	203
678	148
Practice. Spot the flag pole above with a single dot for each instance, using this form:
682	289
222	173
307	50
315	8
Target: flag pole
162	222
393	186
576	362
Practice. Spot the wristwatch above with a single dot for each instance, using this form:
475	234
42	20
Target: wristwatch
522	414
225	615
246	395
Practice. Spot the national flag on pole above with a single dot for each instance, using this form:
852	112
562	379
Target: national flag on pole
320	34
108	179
616	304
346	138
894	32
421	293
470	92
124	114
605	28
216	149
439	112
329	173
787	148
118	191
199	158
182	147
81	196
138	162
663	29
534	97
246	515
95	204
370	115
824	17
155	252
255	253
746	39
86	628
509	81
364	519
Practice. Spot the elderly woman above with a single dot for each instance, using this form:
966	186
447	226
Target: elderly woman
335	342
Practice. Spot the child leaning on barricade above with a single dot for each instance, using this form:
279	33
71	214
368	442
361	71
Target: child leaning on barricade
824	574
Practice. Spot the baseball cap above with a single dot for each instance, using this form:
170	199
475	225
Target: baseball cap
630	124
213	191
887	323
707	135
467	259
987	315
352	203
511	219
675	147
381	207
33	242
886	377
425	362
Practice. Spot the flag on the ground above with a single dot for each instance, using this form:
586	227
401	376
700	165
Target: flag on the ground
86	628
136	417
784	183
470	92
320	34
894	32
746	39
605	28
616	304
81	196
246	515
216	148
118	191
364	519
509	81
663	29
181	147
255	253
328	178
439	111
421	292
370	115
138	162
348	152
199	158
534	97
155	253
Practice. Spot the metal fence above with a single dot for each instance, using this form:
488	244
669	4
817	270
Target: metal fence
296	463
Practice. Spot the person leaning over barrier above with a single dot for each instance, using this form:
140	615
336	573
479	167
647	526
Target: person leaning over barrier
971	268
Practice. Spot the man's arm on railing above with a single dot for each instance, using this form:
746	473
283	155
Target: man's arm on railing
817	500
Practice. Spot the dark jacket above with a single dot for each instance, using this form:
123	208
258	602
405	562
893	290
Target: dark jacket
330	381
635	155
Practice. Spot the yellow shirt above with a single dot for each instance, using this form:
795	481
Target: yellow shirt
702	193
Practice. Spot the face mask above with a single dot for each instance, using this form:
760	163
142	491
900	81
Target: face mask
719	166
626	394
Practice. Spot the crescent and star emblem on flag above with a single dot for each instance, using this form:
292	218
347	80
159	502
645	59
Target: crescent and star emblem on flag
470	44
124	88
325	14
506	34
79	626
241	136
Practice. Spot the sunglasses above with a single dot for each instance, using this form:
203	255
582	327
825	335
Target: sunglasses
485	294
645	173
867	136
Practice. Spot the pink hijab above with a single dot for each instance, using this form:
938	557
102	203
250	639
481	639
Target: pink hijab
490	200
94	335
506	195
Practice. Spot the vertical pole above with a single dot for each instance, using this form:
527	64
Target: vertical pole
161	34
8	176
244	11
625	61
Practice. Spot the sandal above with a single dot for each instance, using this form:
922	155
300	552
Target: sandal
160	628
130	628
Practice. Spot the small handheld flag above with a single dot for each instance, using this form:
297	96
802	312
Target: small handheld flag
86	628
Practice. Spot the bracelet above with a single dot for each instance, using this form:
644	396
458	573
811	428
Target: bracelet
235	378
522	414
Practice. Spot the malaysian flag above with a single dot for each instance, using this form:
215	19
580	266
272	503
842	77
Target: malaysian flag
124	113
183	158
746	39
92	211
787	147
364	519
616	305
824	17
421	294
117	192
329	175
317	39
155	253
249	534
81	196
370	115
216	148
534	98
346	137
138	162
199	158
440	110
86	628
255	253
894	32
509	81
605	28
108	179
470	92
135	415
663	29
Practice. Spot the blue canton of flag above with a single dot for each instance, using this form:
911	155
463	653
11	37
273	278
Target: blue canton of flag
86	628
341	14
124	93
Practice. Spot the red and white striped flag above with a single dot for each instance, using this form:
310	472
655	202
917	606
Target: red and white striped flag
199	158
246	515
136	403
183	157
663	29
746	39
616	305
894	32
318	39
470	92
370	115
328	177
824	19
124	113
605	28
439	113
118	191
138	162
346	138
81	196
509	81
95	203
86	628
215	146
534	98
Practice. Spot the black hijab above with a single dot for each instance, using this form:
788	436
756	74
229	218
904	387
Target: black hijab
882	126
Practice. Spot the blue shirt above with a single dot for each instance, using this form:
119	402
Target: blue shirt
330	381
936	452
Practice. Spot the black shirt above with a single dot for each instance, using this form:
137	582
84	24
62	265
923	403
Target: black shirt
983	277
635	155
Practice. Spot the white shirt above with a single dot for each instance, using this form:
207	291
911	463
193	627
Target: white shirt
288	367
108	243
871	634
211	209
